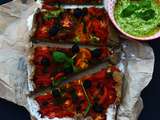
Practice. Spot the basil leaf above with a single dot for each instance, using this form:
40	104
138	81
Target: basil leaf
129	10
59	57
147	15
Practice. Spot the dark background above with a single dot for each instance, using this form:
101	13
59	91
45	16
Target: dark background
150	95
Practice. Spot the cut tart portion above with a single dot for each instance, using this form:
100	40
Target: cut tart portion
88	97
58	63
88	26
64	101
75	2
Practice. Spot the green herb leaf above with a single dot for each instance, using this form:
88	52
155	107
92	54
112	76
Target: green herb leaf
76	39
63	79
49	15
56	13
76	70
94	39
88	108
147	15
129	10
70	61
55	83
59	57
89	102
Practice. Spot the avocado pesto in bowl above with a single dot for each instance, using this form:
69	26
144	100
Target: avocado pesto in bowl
138	17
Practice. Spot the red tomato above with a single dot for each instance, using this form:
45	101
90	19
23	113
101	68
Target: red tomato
99	75
59	75
42	31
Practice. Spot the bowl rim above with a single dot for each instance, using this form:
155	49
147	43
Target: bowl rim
112	18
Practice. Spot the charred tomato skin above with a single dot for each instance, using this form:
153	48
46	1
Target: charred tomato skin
45	61
79	12
75	48
54	30
98	108
85	11
74	95
96	53
87	84
56	93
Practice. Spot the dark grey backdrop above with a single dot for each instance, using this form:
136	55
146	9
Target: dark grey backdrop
151	94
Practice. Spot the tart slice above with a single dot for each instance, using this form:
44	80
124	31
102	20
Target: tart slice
65	101
88	97
88	26
103	89
57	63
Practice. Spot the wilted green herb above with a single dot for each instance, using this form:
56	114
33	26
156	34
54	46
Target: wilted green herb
129	10
133	7
147	15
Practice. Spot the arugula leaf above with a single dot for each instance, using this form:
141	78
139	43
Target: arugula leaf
89	102
147	15
88	108
129	10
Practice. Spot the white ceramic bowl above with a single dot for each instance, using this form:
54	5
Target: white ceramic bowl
109	6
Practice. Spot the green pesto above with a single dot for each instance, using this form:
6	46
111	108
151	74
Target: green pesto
138	17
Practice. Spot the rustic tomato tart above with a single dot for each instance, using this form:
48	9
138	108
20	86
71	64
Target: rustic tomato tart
88	97
88	26
64	101
74	62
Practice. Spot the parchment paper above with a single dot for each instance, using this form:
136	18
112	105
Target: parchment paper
15	31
